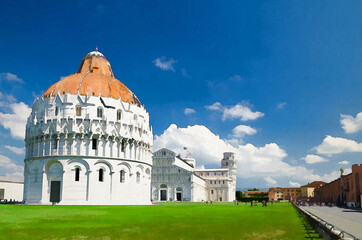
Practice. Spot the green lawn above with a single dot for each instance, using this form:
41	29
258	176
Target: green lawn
166	221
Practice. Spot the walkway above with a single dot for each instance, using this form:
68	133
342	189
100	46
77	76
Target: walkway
348	220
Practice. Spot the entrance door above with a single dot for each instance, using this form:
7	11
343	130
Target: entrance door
179	196
55	191
163	195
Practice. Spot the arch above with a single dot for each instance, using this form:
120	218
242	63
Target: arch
179	189
105	163
141	167
163	186
53	166
148	171
126	166
81	162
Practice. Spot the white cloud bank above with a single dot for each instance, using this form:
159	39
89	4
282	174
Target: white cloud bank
311	159
189	111
16	121
240	110
242	130
165	65
294	184
351	124
16	150
208	148
10	77
334	145
269	181
343	162
9	168
281	105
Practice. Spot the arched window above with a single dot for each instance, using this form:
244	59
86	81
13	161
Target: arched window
78	110
212	191
56	111
163	186
99	112
100	175
94	143
77	172
138	177
119	114
122	174
135	117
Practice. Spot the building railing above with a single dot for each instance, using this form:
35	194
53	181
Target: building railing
324	227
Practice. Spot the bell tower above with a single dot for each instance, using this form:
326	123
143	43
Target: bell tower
230	162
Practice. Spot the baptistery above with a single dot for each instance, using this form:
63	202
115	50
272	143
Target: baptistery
88	141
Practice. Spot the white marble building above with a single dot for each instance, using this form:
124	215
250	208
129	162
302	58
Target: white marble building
11	188
175	178
88	141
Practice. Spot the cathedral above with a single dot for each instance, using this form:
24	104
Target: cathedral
88	141
175	178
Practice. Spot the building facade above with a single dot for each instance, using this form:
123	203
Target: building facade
88	141
175	178
11	188
307	191
344	191
289	194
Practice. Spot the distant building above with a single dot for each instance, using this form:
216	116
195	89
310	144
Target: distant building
307	191
344	191
11	188
174	178
256	194
290	194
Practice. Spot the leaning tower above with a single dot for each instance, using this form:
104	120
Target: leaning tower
230	162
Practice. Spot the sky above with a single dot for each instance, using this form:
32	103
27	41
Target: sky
276	82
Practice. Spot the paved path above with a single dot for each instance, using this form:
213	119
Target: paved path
346	219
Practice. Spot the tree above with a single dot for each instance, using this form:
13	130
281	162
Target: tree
239	195
254	189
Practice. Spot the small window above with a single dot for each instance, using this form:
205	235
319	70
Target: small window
100	175
78	110
135	117
138	177
122	175
119	115
122	147
56	111
223	181
212	191
94	144
77	172
99	112
227	163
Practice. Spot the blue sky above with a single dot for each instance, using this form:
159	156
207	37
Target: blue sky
298	63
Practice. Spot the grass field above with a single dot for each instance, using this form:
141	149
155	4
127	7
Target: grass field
166	221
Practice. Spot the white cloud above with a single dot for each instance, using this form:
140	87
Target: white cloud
236	78
343	162
334	145
294	184
311	159
189	111
215	107
351	124
16	121
242	130
10	77
240	110
208	148
281	105
269	181
9	168
16	150
165	65
328	177
184	73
